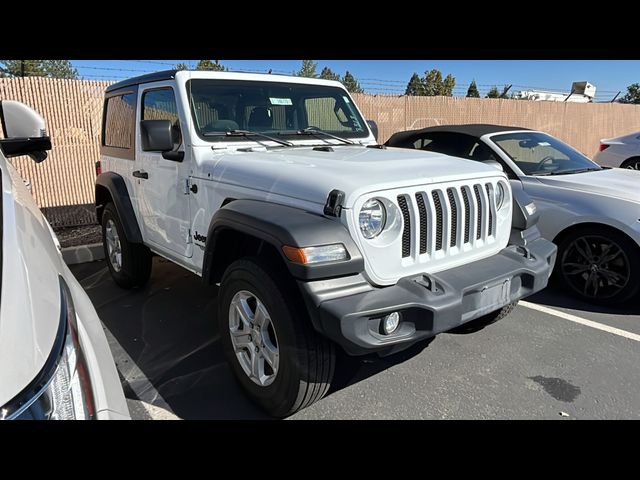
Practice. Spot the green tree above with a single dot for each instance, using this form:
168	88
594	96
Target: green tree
434	84
448	85
351	84
38	68
632	95
415	87
493	93
308	69
472	91
327	74
181	66
209	65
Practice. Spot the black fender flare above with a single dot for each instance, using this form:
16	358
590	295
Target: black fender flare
117	188
281	225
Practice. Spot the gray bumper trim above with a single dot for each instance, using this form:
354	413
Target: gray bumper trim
349	310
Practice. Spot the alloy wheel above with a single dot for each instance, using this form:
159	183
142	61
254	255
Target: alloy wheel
596	266
253	338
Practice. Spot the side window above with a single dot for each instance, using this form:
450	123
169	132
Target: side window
119	120
160	104
480	152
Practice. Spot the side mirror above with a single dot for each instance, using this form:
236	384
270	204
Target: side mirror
494	164
24	131
156	135
160	136
374	128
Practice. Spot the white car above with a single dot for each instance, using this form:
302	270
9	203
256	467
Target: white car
55	362
623	151
591	213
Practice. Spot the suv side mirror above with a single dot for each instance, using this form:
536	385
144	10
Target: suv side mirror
156	135
374	128
24	131
160	136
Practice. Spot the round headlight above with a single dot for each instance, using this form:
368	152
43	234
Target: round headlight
372	218
500	194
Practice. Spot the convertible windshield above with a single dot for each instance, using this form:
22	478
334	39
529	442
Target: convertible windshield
285	109
541	154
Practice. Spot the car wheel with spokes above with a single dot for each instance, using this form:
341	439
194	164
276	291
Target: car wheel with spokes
602	267
632	163
128	263
280	361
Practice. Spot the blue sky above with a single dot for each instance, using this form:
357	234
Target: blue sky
391	76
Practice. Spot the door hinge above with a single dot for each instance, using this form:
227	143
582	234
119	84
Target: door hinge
187	184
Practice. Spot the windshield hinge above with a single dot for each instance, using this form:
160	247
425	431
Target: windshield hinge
333	207
189	238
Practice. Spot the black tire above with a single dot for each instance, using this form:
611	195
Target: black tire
632	163
481	322
136	257
306	360
627	263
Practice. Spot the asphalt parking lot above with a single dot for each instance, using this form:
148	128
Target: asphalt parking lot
552	358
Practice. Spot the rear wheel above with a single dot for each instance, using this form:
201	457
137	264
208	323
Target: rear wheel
129	263
274	353
632	163
602	267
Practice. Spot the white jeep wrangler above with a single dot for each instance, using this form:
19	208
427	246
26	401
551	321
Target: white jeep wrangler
274	188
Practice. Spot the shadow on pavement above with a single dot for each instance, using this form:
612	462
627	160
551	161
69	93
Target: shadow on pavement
169	329
556	296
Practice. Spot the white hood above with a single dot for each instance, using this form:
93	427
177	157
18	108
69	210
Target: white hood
30	292
310	175
615	182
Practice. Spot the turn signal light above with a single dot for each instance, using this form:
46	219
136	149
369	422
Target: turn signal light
308	255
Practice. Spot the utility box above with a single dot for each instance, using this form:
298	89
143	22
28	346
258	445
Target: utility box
584	88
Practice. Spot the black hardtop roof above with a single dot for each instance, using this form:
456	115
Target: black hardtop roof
149	77
476	130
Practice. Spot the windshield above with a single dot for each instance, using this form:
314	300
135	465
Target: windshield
541	154
220	106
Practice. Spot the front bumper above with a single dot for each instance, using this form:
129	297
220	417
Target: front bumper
349	310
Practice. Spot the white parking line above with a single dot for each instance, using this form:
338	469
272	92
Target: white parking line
138	381
581	321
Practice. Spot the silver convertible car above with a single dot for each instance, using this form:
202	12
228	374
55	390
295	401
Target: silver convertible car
591	213
55	362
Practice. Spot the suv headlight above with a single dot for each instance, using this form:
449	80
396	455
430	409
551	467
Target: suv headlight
372	218
62	389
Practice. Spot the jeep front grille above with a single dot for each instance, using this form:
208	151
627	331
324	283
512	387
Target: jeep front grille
445	218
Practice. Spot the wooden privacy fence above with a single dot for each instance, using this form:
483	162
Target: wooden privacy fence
63	184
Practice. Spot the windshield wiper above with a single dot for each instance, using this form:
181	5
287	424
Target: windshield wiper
317	131
247	133
566	172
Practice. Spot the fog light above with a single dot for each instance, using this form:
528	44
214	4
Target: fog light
390	323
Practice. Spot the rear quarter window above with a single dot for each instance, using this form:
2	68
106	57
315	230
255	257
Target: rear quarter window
119	125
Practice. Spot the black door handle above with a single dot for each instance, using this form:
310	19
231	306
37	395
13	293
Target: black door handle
140	174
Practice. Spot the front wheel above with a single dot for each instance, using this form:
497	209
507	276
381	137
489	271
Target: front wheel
602	267
274	353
